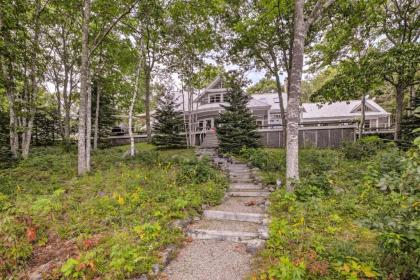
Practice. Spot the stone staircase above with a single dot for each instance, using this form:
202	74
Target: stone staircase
224	240
210	141
241	216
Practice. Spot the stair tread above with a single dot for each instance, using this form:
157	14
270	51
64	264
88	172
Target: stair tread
239	204
225	225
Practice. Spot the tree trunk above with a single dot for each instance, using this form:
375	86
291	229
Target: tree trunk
190	119
130	112
292	159
281	105
84	79
96	132
362	119
8	84
147	103
67	107
399	110
183	111
88	121
27	135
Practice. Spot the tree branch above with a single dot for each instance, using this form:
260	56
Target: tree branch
98	40
317	12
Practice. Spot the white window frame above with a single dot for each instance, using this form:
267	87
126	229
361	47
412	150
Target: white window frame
215	95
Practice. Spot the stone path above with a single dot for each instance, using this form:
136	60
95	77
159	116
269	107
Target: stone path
224	241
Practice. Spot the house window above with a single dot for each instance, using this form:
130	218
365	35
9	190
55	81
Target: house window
215	98
259	123
366	124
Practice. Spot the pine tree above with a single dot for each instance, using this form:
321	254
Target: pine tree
169	124
236	126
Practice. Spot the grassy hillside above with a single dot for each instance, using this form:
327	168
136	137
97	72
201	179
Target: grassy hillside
111	223
354	214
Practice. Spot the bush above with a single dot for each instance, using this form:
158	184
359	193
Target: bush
196	172
312	186
363	147
264	160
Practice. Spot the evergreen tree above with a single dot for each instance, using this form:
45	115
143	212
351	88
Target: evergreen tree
169	124
236	126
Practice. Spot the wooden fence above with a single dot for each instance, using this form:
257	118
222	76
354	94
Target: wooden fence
317	136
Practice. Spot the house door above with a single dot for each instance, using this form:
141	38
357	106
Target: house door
206	124
209	123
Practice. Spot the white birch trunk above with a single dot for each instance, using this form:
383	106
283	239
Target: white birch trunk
292	145
184	114
130	112
84	79
88	121
362	119
96	131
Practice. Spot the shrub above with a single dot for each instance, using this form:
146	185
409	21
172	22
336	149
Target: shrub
363	147
267	161
312	186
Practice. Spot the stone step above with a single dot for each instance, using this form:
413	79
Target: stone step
212	224
242	205
239	165
240	171
255	189
233	176
223	235
234	216
249	193
242	180
242	186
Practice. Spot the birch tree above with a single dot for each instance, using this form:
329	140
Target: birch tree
21	68
88	49
133	102
62	39
300	30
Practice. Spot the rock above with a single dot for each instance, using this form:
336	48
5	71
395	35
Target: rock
338	190
141	277
42	270
155	269
266	221
254	245
196	219
263	233
127	154
35	276
180	224
167	254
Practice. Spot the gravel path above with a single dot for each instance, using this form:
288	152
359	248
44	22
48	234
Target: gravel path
210	260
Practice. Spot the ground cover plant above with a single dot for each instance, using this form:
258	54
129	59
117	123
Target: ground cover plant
351	216
112	223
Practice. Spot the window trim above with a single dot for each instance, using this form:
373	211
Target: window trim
215	95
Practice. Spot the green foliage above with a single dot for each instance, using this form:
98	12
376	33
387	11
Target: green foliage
169	124
120	214
287	270
351	217
262	86
363	148
236	126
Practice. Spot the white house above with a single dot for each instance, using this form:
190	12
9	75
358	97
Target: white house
265	107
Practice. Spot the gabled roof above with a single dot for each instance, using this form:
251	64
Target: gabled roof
211	86
340	109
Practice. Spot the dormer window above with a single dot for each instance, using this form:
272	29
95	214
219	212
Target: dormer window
215	98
